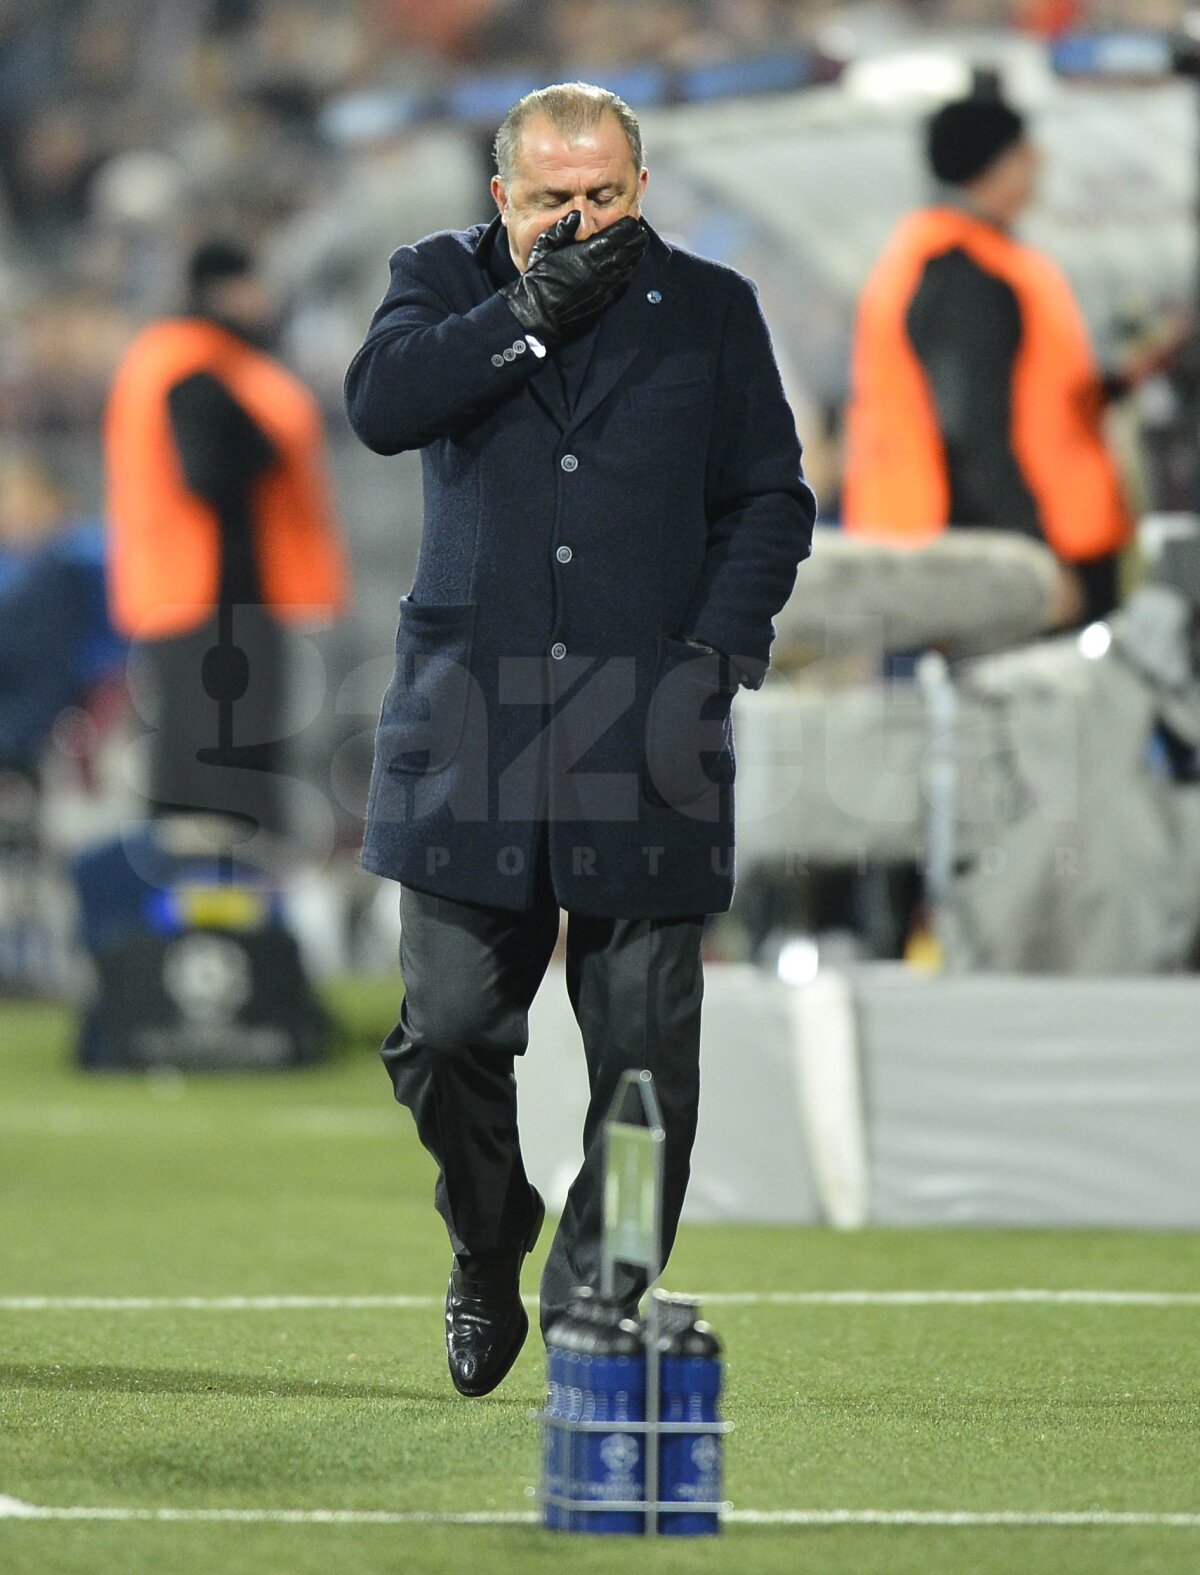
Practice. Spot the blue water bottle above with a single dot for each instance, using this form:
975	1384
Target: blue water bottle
609	1467
690	1463
564	1403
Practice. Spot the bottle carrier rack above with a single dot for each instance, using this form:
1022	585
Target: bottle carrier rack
634	1138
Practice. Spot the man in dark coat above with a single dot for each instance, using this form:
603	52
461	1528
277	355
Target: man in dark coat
614	511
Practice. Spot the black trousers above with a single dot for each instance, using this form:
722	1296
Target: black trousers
470	974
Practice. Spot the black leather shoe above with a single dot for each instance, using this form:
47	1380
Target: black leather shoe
486	1321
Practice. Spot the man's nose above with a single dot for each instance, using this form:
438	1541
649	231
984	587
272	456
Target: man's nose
587	221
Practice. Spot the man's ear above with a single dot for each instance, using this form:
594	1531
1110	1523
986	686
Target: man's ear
500	197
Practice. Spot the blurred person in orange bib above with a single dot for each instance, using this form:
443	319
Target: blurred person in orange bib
222	531
976	399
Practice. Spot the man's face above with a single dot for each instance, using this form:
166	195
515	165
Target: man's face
244	301
1010	184
1024	173
555	173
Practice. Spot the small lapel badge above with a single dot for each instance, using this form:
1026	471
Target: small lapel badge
654	297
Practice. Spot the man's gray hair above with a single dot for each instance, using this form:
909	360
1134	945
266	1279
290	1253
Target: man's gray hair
574	108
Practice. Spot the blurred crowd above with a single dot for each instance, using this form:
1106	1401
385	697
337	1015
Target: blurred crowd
131	128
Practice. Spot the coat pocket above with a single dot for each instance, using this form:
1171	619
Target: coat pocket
425	708
689	731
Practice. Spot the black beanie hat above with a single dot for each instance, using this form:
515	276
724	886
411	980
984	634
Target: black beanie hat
967	136
213	260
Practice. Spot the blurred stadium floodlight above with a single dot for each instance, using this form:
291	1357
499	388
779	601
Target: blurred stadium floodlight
1094	641
909	76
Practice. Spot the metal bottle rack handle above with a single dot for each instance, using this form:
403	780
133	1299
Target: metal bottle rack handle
633	1170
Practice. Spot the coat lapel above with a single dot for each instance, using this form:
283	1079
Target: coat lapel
547	389
627	329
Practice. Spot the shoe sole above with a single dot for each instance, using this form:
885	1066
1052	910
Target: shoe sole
521	1334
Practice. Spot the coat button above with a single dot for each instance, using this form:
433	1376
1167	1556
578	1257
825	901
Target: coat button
497	360
519	346
569	463
558	650
654	296
564	555
510	354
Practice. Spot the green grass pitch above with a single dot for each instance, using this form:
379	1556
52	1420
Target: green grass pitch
313	1185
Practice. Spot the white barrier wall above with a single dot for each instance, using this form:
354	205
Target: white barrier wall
888	1099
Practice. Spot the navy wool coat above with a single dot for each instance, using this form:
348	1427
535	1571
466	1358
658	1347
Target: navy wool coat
546	703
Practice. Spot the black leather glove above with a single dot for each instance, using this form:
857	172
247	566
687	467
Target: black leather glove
567	282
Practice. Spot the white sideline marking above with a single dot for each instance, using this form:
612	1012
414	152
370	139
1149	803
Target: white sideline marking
318	1121
952	1298
1032	1298
71	1121
52	1123
959	1517
213	1303
14	1509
